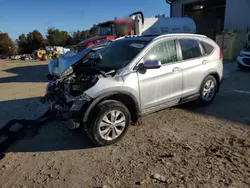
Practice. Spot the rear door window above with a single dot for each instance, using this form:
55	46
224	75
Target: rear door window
208	49
190	49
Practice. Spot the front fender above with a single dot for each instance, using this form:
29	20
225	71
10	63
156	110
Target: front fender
81	109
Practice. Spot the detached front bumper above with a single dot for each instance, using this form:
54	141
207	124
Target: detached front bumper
61	101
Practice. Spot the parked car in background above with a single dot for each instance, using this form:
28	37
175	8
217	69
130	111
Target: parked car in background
243	60
26	57
3	57
15	57
135	76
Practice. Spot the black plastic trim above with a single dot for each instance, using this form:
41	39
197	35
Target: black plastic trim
189	98
101	97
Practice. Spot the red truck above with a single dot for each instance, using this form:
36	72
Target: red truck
136	25
111	30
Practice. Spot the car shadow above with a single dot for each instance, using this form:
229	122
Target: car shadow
31	73
231	103
50	136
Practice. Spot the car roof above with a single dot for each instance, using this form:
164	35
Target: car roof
154	37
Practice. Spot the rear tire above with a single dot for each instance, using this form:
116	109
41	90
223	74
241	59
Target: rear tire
108	123
208	90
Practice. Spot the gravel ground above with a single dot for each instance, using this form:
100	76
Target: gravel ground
185	146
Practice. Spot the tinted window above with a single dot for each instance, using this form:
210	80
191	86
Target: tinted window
119	53
190	49
164	51
122	29
104	30
207	47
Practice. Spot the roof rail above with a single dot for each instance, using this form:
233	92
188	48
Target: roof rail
181	34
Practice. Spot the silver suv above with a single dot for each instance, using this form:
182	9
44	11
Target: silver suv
135	76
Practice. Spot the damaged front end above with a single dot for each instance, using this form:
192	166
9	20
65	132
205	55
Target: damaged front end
64	95
65	92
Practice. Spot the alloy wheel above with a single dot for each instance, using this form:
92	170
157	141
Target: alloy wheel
208	91
112	125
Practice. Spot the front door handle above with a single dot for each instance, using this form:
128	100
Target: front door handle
176	69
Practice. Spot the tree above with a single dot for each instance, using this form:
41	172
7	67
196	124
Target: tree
76	37
93	31
7	46
22	43
56	37
79	36
34	41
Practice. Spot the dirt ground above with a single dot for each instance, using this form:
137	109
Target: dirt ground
185	146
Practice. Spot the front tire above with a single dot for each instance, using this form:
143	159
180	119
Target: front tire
208	90
108	123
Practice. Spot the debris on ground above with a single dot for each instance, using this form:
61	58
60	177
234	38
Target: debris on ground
186	146
12	129
159	178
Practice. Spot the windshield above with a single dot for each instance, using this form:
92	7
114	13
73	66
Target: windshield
120	53
105	30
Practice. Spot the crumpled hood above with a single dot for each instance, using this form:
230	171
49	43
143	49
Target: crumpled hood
65	62
59	65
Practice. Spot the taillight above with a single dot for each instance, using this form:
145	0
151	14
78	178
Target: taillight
221	55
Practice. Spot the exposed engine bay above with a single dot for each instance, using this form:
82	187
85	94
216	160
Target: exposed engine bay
62	91
79	80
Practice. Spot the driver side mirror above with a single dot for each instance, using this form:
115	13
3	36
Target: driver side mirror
152	64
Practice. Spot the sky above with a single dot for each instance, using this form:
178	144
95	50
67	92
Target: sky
23	16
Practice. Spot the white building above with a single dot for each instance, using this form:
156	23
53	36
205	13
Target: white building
212	16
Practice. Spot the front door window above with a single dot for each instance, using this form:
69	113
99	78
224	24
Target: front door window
164	51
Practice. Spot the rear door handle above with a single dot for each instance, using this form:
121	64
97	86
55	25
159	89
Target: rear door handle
176	69
204	62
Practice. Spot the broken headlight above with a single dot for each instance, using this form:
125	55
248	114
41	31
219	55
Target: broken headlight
67	72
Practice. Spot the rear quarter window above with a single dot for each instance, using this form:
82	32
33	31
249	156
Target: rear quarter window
208	49
190	49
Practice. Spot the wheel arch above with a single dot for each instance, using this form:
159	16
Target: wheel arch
217	78
128	99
